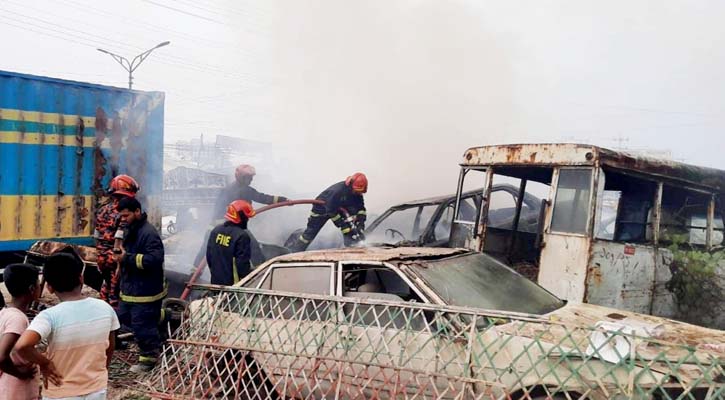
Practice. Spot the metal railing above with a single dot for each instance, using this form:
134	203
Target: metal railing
250	344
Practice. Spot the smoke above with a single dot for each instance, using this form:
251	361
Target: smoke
400	89
397	90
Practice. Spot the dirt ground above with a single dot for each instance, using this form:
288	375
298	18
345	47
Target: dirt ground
122	382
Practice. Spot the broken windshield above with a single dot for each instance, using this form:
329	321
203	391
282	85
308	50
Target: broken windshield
402	225
478	280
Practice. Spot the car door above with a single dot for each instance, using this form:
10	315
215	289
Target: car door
374	339
288	327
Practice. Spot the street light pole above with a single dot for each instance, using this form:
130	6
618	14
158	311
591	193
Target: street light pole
131	66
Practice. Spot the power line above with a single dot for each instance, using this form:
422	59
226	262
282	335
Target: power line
195	15
177	62
153	27
184	12
220	11
193	5
132	47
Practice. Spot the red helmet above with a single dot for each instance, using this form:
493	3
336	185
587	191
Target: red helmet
358	181
124	185
236	208
244	170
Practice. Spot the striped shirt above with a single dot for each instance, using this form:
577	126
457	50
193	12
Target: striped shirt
77	334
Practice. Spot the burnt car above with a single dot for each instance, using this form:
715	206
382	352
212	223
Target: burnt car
427	222
410	322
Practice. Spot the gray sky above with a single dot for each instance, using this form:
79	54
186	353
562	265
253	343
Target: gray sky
399	89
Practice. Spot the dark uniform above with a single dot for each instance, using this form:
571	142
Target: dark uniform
107	224
237	191
228	253
143	287
337	196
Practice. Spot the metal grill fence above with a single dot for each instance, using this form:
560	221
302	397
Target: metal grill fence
249	344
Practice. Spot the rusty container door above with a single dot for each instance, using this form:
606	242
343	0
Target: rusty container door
621	276
567	238
60	144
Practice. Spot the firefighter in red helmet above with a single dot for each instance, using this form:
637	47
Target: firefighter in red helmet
240	189
228	249
108	228
344	206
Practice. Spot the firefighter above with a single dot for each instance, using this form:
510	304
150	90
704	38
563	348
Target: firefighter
342	200
143	286
107	226
228	250
240	189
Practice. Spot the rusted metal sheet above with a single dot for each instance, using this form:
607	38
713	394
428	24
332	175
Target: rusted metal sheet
46	249
671	171
371	254
530	154
60	144
563	154
621	276
578	264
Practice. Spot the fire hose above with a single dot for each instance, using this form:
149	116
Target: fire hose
202	264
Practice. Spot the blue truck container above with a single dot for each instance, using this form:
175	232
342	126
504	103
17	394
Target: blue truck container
60	144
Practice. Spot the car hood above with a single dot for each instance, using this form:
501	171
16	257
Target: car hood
672	344
658	328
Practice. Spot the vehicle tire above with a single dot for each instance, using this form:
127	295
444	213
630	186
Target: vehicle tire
174	310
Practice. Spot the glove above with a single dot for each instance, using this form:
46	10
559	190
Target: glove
348	240
340	221
281	199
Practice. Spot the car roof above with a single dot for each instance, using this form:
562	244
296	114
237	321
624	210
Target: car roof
441	199
377	253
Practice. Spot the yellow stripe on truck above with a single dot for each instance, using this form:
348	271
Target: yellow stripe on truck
47	118
38	217
51	139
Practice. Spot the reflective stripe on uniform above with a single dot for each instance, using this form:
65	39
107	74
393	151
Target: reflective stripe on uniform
145	299
345	230
302	238
362	212
336	217
312	214
139	261
275	199
234	270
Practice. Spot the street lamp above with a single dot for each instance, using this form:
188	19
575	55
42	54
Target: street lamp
131	66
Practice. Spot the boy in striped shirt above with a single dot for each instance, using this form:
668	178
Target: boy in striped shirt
80	335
